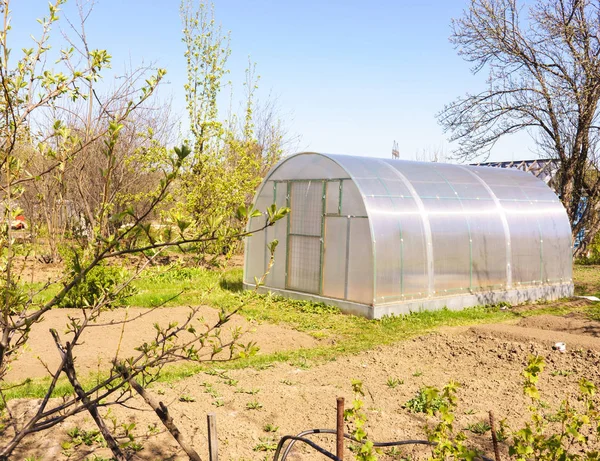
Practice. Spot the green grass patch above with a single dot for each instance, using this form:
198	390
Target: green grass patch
586	279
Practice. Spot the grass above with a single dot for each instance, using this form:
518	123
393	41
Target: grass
586	280
352	334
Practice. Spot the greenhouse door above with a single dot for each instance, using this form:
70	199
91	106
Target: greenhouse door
305	236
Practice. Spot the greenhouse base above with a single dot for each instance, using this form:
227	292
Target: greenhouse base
456	302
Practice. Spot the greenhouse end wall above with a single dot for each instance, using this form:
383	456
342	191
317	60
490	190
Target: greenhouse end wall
380	237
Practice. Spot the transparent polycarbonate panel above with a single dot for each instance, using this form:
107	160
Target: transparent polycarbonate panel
276	277
540	192
414	254
556	238
503	176
434	189
451	246
488	245
307	166
401	261
334	266
360	262
352	201
304	264
454	174
524	241
374	176
255	254
510	193
281	194
306	205
387	232
333	197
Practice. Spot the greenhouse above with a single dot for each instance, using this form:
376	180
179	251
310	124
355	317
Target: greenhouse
378	237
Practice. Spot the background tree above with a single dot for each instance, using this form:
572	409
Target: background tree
230	155
543	65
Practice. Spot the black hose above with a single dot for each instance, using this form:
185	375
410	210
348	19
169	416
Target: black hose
294	439
301	437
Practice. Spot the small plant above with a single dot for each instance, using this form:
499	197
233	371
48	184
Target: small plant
270	428
218	403
479	428
287	382
265	444
231	382
417	373
253	391
364	450
186	398
394	452
210	390
561	373
392	383
254	405
427	400
88	438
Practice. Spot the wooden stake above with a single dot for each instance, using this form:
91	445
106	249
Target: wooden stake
339	448
213	441
494	436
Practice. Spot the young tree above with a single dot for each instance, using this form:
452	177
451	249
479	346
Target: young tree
229	157
543	65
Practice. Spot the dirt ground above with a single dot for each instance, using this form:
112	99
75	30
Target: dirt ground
97	351
486	360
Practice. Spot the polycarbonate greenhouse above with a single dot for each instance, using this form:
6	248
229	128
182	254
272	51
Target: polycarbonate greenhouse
378	237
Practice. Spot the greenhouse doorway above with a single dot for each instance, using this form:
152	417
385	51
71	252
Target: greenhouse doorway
305	236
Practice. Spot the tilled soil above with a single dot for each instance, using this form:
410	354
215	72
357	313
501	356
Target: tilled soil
486	360
100	345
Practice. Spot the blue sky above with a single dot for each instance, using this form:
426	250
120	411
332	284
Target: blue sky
349	77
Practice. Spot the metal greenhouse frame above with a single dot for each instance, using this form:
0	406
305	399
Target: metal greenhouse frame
379	237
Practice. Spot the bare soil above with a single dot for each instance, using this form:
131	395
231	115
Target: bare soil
101	345
486	360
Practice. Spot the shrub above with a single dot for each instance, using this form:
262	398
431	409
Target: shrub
101	281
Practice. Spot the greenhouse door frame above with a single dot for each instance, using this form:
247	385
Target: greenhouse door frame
306	236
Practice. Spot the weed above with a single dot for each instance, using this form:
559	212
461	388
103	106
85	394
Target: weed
270	428
417	373
254	405
426	400
392	383
266	444
479	428
247	391
561	373
231	382
287	382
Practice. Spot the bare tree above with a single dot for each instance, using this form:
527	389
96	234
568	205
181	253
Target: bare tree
543	65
